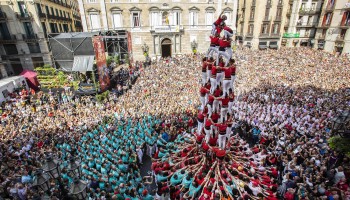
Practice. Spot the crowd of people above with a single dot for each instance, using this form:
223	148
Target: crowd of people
251	126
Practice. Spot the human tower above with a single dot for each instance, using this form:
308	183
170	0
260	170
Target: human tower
215	163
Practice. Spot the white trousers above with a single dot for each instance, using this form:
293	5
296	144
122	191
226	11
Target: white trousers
222	141
202	99
211	50
226	86
227	34
230	104
199	127
213	84
219	77
232	81
210	109
215	105
204	78
208	74
207	134
223	113
228	133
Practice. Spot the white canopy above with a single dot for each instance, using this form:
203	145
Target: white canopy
83	63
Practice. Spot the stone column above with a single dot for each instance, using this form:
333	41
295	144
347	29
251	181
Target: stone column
82	14
104	15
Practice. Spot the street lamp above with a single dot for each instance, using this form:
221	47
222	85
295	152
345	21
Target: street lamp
41	181
74	167
78	189
340	124
52	167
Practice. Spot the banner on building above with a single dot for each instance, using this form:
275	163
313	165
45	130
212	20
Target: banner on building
101	63
291	35
130	47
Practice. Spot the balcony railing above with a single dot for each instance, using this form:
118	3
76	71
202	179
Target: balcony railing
8	39
267	18
345	23
329	8
27	37
42	15
24	16
311	24
165	28
308	12
3	16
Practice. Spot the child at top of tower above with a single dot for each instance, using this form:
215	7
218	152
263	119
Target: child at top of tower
216	27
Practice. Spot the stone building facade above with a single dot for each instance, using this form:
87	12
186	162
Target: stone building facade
24	29
166	27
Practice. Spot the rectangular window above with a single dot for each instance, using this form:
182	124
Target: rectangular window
193	19
37	62
4	31
28	28
52	11
22	8
10	49
117	20
252	13
264	29
47	10
38	6
91	1
209	18
34	48
275	29
251	29
176	18
95	21
154	18
136	20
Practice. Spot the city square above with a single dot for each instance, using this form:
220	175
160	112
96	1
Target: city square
179	102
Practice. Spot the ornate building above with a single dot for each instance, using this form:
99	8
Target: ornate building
24	29
167	27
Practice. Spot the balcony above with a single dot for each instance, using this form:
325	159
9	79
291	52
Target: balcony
8	40
347	6
278	18
249	35
3	16
345	24
330	8
308	12
325	25
167	29
340	38
270	36
30	38
24	16
42	15
306	25
267	19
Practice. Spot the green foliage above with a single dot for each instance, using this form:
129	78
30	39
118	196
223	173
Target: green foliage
126	58
116	59
47	66
103	96
109	60
340	144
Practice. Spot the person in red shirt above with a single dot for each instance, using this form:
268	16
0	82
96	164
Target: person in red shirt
210	102
224	106
210	63
213	79
200	120
224	50
227	80
228	32
214	45
233	72
207	129
203	96
222	134
217	93
219	22
204	71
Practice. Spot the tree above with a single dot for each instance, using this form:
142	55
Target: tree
341	144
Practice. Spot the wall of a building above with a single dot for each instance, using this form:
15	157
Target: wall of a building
181	40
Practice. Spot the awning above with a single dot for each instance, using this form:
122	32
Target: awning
83	63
